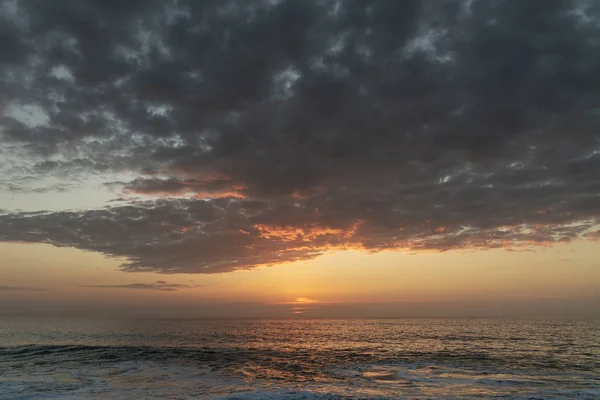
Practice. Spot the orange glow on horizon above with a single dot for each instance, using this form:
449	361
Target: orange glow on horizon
302	301
306	300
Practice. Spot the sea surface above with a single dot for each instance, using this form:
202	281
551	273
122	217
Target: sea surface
43	358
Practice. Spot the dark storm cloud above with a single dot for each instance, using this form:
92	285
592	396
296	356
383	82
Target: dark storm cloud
161	286
380	125
220	235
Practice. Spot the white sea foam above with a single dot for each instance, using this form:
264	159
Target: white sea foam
279	395
444	382
322	360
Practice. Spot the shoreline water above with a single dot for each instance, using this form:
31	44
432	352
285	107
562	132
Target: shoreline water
319	359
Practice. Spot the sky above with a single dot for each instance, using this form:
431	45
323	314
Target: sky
287	158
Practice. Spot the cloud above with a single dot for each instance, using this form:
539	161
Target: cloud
15	188
208	188
221	235
594	235
19	288
161	286
262	132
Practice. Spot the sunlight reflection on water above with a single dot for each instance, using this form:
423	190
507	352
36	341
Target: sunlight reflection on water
430	358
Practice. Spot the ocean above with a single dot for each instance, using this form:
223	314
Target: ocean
50	358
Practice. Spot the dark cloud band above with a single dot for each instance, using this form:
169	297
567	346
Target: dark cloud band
160	286
278	130
20	288
221	235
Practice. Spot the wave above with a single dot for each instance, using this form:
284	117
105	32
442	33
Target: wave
287	395
39	371
300	360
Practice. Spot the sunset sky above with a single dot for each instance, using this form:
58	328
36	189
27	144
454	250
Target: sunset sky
264	158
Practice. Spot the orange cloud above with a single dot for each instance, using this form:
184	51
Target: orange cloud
288	233
304	233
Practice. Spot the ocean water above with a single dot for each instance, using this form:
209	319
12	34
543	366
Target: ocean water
300	359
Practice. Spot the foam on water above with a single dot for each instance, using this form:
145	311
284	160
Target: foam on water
124	379
279	395
442	382
304	360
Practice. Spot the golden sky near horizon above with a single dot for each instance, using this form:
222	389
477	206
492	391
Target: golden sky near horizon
86	279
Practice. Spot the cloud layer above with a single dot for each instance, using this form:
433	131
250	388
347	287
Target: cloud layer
19	288
262	131
160	286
